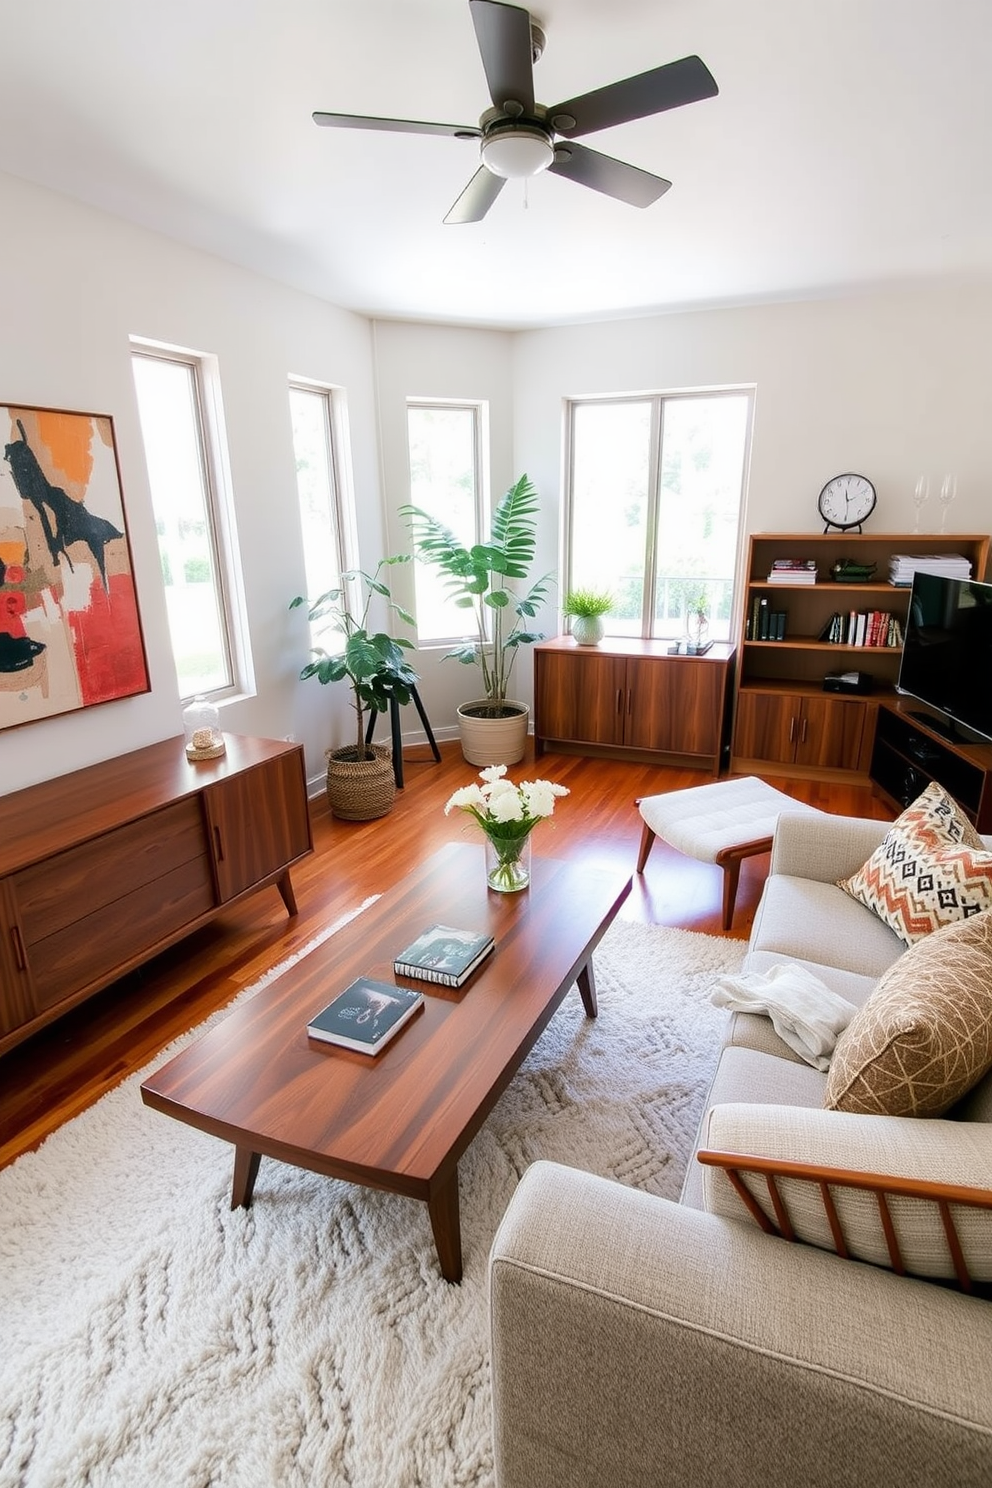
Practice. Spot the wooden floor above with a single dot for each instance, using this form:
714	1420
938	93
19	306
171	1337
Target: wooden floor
66	1067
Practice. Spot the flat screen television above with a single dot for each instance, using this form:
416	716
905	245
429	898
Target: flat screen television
947	652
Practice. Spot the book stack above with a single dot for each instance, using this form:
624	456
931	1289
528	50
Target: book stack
764	623
902	566
863	628
793	571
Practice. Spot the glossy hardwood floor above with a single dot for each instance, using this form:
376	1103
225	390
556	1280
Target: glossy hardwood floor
51	1078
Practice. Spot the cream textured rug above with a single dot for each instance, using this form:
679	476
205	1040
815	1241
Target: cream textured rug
150	1336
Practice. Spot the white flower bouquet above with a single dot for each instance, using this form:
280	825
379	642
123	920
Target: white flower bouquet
507	813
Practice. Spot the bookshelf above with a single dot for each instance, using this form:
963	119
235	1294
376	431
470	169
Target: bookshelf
784	721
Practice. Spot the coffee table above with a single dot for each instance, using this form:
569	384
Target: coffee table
399	1120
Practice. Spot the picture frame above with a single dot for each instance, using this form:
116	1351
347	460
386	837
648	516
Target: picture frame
70	627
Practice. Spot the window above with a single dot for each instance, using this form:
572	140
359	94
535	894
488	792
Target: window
655	486
445	464
184	457
318	485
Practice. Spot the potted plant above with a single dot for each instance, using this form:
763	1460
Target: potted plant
586	608
360	781
493	728
698	623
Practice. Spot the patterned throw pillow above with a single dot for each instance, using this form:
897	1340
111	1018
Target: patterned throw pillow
931	869
924	1037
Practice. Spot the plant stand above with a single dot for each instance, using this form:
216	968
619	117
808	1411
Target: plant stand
394	729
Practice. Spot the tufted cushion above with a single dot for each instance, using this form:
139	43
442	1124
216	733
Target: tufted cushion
931	869
924	1037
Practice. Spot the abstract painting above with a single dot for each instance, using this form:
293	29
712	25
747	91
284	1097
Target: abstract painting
70	633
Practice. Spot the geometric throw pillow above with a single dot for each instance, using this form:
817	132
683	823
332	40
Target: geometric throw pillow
931	870
924	1037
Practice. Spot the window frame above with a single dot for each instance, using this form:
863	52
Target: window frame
342	502
478	408
215	475
657	402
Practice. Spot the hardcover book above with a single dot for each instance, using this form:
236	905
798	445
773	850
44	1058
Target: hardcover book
365	1016
444	954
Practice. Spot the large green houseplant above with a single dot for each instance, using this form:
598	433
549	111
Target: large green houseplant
360	780
482	579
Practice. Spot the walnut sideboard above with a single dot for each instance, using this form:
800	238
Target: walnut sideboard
103	868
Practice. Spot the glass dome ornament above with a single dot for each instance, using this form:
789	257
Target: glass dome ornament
201	722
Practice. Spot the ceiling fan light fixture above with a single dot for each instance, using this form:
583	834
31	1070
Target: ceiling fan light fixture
517	152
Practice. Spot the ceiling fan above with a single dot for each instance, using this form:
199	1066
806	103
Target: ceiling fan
519	137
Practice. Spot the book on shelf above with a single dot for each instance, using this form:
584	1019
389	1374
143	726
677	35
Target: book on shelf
869	628
902	566
794	563
365	1016
444	954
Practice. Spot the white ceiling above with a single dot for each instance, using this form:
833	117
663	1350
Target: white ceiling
849	146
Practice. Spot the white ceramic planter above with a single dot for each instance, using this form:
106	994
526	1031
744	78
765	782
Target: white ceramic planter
493	741
588	630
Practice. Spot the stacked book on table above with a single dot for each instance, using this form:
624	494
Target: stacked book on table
793	571
902	566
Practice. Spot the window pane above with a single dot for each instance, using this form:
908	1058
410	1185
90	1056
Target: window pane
311	414
611	444
444	482
172	431
702	467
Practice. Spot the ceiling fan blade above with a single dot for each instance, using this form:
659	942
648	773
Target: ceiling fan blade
477	198
503	34
395	126
667	87
612	177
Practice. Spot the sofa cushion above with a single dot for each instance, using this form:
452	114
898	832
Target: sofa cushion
944	1151
805	920
747	1075
924	1037
931	869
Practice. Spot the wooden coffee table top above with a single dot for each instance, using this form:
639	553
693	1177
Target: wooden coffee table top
400	1119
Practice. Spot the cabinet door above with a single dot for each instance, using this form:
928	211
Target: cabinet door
580	696
832	733
768	726
675	704
257	823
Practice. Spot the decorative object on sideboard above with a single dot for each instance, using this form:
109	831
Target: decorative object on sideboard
948	491
360	781
846	501
586	608
507	814
201	725
479	579
697	624
921	495
70	632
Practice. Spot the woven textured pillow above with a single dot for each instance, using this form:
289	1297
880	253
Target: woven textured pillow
931	870
924	1037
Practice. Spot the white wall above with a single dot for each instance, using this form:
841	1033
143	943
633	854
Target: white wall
74	285
891	384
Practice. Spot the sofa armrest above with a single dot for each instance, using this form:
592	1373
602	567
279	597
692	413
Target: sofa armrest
635	1341
824	848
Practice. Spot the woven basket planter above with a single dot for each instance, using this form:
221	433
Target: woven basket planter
360	790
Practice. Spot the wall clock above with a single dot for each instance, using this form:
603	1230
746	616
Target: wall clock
846	501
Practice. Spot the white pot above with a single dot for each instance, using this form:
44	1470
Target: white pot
588	630
493	741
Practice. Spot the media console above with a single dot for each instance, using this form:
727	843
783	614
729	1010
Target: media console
911	750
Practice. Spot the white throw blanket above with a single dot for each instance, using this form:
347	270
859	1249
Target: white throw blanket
805	1013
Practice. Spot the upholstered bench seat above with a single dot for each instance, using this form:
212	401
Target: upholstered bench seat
723	823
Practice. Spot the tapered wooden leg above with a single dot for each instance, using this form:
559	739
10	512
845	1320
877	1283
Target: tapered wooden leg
446	1224
731	878
647	841
586	983
285	887
245	1172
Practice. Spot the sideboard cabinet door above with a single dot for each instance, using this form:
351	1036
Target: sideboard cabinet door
257	823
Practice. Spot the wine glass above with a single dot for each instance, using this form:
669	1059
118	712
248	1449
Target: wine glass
921	496
948	491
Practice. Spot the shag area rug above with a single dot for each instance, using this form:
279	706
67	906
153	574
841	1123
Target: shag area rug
150	1336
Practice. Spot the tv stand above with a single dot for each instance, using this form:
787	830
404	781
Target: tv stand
912	748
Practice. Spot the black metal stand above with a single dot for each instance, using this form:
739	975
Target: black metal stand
394	729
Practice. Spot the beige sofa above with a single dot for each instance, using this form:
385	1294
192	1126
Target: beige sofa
641	1342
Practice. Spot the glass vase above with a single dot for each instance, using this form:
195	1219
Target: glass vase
508	863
